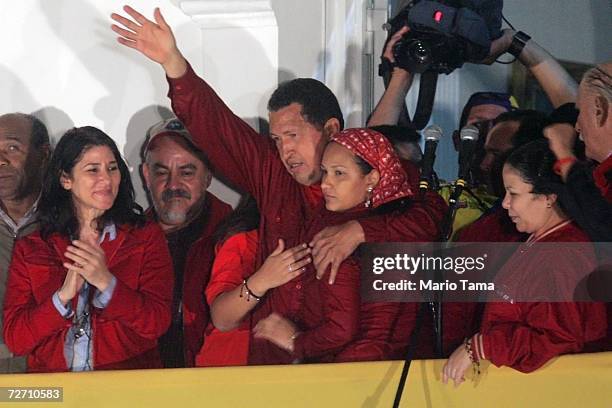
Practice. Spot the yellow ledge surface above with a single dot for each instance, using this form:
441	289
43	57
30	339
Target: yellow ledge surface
569	381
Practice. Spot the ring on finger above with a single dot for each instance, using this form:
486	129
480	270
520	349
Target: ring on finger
290	268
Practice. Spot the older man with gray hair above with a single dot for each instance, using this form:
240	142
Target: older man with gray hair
591	187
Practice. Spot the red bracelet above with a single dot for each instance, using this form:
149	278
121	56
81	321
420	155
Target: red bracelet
561	162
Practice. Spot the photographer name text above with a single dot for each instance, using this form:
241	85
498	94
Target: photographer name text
432	285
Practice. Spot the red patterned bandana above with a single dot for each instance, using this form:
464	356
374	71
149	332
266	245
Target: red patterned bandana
378	152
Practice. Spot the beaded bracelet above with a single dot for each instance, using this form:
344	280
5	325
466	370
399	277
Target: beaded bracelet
475	363
249	293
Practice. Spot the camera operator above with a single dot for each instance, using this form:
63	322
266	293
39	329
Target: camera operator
554	80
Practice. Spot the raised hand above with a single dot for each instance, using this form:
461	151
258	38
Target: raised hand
89	262
388	53
499	46
280	267
154	39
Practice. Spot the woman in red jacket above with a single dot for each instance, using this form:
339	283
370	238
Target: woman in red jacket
361	174
92	290
526	335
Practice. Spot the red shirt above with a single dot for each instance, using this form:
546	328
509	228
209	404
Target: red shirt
125	333
198	266
602	175
461	319
251	163
526	335
235	261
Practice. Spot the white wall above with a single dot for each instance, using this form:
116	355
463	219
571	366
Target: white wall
61	60
573	30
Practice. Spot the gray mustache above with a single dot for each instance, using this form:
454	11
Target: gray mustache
170	194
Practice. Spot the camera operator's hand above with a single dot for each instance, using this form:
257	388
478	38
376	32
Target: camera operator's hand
389	107
388	53
499	46
153	39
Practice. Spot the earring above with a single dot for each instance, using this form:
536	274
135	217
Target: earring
368	202
548	205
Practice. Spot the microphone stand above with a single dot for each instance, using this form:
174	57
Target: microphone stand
435	306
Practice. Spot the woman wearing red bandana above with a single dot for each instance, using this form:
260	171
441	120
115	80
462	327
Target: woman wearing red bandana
361	173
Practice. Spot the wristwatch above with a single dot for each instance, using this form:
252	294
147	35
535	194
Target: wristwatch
518	43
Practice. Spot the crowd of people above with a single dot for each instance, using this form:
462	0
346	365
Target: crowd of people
92	281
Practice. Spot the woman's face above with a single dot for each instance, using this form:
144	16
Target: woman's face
94	180
343	184
530	212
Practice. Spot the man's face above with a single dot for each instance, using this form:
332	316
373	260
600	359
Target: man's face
596	141
177	181
16	179
299	143
497	144
479	113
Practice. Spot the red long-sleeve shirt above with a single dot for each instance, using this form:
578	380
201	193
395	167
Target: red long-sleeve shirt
526	335
125	332
234	262
251	163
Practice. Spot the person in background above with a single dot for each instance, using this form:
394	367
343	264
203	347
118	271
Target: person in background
24	152
92	289
176	175
590	185
510	130
481	108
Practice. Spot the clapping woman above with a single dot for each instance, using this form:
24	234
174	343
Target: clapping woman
92	290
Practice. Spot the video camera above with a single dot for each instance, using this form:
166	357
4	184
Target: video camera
443	35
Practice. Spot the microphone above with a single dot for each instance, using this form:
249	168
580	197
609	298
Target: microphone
432	135
469	138
469	141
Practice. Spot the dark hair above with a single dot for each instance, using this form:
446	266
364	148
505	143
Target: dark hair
363	165
40	135
319	104
56	210
244	218
534	161
531	125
